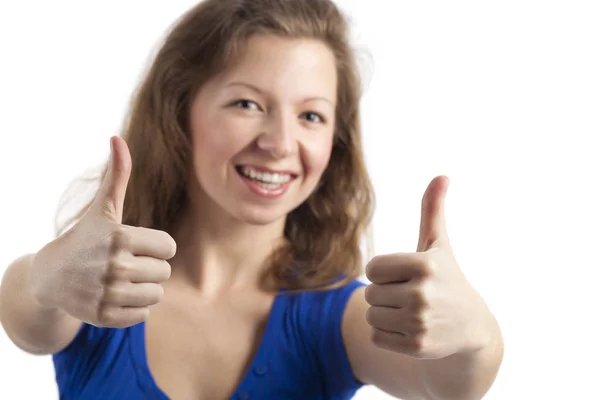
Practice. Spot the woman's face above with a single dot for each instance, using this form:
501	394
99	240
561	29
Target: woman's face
263	130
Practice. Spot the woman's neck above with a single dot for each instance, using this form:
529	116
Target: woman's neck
216	252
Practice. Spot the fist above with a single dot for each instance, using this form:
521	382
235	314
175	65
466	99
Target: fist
101	271
421	304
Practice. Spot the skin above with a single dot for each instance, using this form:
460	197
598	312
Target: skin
274	109
407	333
427	333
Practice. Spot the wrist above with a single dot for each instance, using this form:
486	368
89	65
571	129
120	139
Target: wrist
39	286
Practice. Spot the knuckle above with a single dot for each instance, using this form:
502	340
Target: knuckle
419	321
417	297
418	316
417	343
118	268
104	316
119	239
428	267
418	301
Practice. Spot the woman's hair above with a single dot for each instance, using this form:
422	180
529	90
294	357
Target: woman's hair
324	233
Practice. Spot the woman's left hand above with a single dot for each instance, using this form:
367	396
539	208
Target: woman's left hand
421	303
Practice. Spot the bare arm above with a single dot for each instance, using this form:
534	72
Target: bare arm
460	376
420	330
99	271
33	327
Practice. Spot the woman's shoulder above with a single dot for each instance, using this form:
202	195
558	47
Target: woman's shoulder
312	324
91	338
323	306
334	291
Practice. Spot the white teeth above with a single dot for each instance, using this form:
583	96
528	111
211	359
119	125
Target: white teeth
268	186
266	177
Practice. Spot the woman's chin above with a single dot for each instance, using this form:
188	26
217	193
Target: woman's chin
261	216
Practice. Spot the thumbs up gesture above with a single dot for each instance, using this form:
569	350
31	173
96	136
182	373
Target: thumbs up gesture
421	303
101	271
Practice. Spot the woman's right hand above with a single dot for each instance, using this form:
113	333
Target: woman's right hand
101	271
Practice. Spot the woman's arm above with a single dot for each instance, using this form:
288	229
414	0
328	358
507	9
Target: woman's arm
461	376
31	326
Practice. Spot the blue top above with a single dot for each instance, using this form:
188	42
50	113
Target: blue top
301	356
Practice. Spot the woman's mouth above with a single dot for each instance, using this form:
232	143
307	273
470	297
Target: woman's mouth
265	183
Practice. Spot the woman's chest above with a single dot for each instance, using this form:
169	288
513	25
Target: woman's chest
204	352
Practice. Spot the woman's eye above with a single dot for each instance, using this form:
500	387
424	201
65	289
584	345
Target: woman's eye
247	104
313	117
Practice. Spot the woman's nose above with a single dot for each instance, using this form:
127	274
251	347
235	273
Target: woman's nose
278	138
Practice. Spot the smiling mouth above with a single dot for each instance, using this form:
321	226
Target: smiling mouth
266	180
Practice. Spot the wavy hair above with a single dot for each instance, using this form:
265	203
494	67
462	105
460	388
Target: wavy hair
324	233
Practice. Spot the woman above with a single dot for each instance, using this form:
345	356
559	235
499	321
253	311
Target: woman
220	256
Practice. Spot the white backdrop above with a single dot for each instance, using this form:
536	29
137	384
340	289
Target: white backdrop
502	97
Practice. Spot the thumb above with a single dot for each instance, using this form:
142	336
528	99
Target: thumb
111	195
433	232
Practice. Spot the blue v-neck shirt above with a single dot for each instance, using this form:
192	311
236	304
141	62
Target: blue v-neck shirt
301	356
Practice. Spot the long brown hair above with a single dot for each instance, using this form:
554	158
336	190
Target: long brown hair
324	233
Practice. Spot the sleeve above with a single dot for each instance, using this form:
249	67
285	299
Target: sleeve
340	381
93	351
72	363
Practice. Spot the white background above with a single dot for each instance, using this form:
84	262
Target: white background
502	97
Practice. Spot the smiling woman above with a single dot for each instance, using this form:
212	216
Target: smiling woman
270	117
221	253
